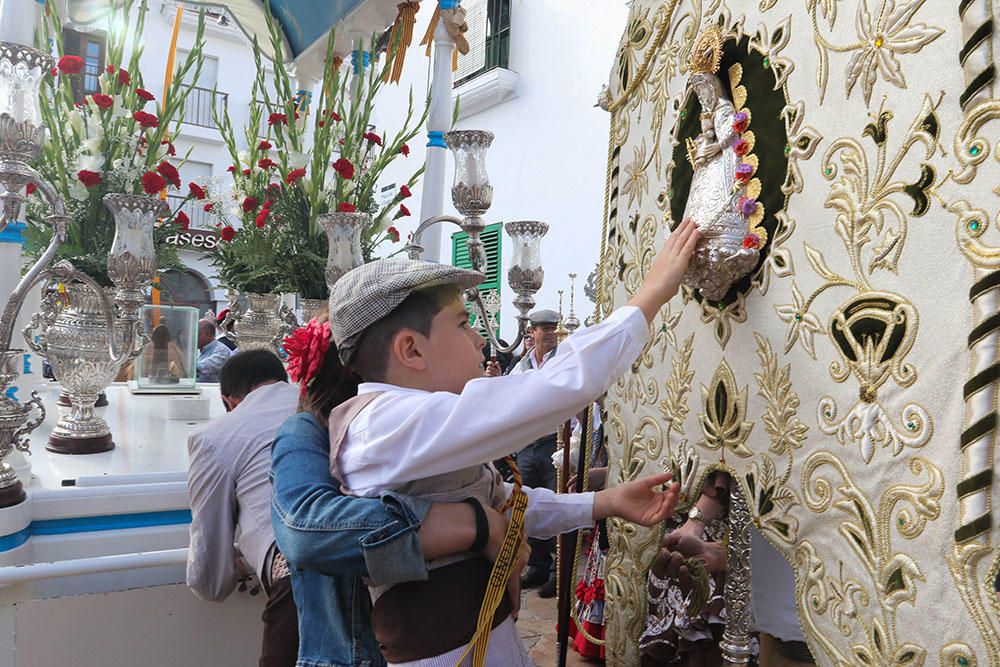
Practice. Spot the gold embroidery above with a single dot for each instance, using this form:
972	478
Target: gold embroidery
723	421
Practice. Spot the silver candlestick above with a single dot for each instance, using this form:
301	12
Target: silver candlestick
472	195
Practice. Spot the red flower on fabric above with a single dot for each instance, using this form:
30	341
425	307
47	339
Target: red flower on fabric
347	207
277	119
103	101
405	150
306	349
751	241
196	191
146	119
208	207
294	175
266	163
344	168
227	233
182	220
89	178
123	77
262	217
264	146
744	172
144	95
740	121
741	148
393	234
250	204
152	182
169	172
374	138
404	192
70	64
30	189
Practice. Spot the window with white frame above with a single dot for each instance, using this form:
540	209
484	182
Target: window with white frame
489	38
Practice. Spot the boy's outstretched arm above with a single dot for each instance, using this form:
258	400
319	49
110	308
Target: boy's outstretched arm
665	275
640	501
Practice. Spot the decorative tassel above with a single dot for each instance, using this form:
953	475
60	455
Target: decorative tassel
428	39
400	38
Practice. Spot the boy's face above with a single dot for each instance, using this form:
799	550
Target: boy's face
454	349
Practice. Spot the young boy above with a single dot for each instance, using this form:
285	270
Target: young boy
425	421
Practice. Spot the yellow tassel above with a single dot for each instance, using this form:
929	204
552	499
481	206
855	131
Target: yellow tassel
400	38
428	39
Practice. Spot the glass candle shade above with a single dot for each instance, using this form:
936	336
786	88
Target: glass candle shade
21	72
343	235
471	193
132	258
525	274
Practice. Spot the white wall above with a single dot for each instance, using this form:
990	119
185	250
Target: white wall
549	157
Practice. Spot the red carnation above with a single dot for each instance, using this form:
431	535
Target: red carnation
152	182
277	119
196	191
306	349
322	123
404	192
144	95
110	69
102	101
54	71
208	207
246	172
393	234
250	204
70	64
374	138
123	77
346	207
182	220
741	148
294	175
336	116
30	189
227	233
264	145
405	150
89	178
266	163
231	169
171	151
274	187
344	168
146	119
169	172
262	217
403	211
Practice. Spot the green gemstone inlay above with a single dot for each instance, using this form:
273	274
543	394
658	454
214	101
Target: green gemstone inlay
684	113
670	194
974	226
788	149
767	62
975	150
828	171
901	521
963	661
798	317
910	425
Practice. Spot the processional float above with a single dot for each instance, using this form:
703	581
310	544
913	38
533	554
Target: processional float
835	349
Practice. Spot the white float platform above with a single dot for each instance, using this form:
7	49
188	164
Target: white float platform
92	563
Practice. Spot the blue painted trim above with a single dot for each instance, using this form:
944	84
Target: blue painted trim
450	4
436	139
12	393
27	365
14	233
87	524
366	59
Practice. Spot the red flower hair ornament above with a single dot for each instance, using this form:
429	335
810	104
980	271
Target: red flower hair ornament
306	349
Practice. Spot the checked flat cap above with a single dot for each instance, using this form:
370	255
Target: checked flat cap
543	316
368	293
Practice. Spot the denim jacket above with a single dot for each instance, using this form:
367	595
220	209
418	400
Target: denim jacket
331	540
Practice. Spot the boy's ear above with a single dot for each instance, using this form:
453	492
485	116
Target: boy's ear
407	350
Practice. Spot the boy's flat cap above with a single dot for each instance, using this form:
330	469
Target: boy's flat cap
543	316
365	295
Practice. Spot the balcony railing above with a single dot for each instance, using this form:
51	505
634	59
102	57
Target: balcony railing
195	212
199	104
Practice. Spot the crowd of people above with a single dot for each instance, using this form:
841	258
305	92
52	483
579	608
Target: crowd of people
363	498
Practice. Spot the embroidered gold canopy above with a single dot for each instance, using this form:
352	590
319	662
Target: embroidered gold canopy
847	378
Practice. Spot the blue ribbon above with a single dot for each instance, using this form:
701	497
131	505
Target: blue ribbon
436	139
14	233
450	4
366	59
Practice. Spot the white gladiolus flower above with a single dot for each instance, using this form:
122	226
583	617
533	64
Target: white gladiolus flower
75	118
78	190
244	157
90	162
297	160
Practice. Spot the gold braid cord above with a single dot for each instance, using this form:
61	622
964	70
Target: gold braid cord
496	588
400	38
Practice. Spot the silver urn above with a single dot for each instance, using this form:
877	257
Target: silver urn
263	325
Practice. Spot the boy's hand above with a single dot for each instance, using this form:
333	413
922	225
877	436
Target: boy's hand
667	271
639	501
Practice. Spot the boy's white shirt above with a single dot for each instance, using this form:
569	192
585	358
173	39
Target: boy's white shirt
409	434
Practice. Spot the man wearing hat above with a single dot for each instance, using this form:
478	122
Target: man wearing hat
535	460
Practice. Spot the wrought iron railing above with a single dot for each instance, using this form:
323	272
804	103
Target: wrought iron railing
195	211
199	104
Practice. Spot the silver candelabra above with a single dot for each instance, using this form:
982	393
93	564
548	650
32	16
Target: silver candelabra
472	195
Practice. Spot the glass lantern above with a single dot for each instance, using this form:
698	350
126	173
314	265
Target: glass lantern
132	259
471	192
21	73
525	274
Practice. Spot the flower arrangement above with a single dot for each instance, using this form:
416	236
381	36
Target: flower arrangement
304	160
115	140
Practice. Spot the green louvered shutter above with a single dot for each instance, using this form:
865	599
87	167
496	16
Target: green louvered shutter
490	288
